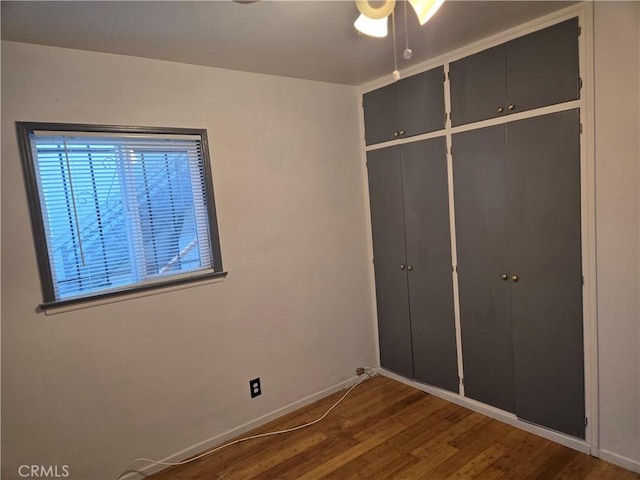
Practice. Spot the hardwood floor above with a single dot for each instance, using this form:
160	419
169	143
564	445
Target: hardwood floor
387	430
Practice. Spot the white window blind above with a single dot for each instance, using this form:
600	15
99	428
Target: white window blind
120	211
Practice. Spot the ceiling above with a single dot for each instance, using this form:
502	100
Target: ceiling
313	40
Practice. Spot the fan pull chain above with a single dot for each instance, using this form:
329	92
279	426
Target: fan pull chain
396	72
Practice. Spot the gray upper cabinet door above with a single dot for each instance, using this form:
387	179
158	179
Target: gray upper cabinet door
428	244
480	192
529	72
478	86
542	67
387	225
421	103
380	114
546	300
411	106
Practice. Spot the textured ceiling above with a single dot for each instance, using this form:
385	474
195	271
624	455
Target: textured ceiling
313	40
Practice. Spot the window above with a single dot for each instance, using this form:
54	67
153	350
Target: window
117	209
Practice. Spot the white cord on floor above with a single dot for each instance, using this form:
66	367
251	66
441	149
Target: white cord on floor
368	372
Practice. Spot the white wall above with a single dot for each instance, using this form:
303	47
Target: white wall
617	129
97	387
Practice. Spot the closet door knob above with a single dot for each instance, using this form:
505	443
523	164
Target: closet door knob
505	277
409	268
514	278
402	267
512	106
500	109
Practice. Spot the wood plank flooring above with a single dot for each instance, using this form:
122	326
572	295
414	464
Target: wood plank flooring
387	430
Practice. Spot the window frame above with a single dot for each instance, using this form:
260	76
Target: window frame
25	129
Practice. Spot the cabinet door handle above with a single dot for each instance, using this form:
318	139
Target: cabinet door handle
402	132
505	277
409	268
500	109
395	134
402	267
512	106
514	278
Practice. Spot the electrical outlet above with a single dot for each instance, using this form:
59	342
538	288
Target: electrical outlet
254	386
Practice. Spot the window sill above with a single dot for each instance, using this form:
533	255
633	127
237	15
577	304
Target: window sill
61	306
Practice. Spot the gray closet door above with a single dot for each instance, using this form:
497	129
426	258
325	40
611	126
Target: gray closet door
411	106
428	243
546	301
542	67
380	114
478	86
421	102
392	294
529	72
479	171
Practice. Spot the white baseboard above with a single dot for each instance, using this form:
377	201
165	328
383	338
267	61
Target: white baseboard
235	432
624	462
496	413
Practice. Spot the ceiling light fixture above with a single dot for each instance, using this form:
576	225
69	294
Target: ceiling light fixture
373	21
374	14
425	8
374	27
